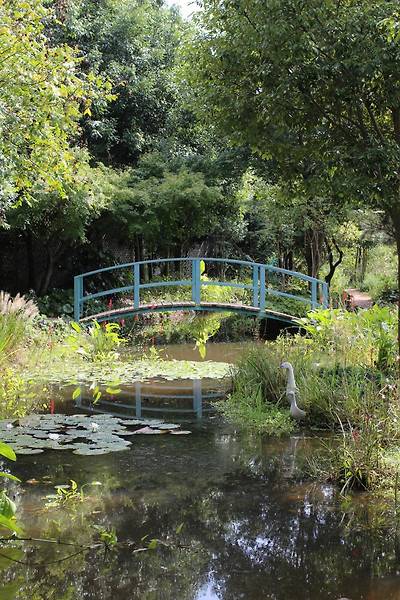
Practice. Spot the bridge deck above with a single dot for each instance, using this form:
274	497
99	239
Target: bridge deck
120	313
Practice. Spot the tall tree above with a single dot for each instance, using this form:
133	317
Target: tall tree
308	80
132	44
42	98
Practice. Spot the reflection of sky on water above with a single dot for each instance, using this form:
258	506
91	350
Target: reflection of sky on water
254	528
208	591
247	530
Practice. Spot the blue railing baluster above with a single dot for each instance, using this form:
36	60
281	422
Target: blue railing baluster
196	281
314	298
78	295
138	400
325	294
197	398
255	285
136	285
262	289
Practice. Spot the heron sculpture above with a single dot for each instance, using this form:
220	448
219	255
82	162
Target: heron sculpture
291	389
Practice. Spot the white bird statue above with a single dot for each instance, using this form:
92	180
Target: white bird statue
291	390
295	411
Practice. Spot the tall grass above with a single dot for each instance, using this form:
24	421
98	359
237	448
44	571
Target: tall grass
15	315
346	374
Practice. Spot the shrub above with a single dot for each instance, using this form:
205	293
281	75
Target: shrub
16	394
248	408
57	303
98	342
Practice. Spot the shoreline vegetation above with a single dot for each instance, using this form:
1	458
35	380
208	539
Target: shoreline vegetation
346	372
345	365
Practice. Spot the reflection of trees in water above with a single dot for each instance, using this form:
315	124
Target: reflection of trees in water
254	533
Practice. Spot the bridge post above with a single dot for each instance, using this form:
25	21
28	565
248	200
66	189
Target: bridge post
325	295
262	289
138	400
78	295
196	281
255	285
197	398
314	295
136	284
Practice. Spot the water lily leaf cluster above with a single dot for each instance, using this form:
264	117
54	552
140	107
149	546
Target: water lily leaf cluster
85	435
129	371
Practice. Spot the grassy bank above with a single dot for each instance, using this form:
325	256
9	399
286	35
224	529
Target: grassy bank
346	374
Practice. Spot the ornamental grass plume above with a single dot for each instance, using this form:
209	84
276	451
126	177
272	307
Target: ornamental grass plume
18	305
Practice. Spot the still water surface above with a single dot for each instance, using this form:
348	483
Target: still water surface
235	517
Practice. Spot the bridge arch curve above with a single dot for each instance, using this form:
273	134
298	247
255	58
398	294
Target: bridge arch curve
258	282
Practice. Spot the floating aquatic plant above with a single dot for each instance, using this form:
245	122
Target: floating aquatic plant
83	434
129	371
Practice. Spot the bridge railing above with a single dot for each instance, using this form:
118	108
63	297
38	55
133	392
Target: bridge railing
258	284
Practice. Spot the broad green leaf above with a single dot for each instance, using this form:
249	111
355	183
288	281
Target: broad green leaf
7	451
9	476
9	524
179	528
7	506
76	393
113	391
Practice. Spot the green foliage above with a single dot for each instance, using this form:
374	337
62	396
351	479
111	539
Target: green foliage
247	407
166	209
355	460
43	95
295	98
381	277
15	315
65	494
133	46
367	335
17	393
7	506
98	343
311	86
107	536
345	369
58	303
344	358
204	329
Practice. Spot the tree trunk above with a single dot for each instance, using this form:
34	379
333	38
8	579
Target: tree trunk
333	265
312	251
48	274
30	259
395	214
53	254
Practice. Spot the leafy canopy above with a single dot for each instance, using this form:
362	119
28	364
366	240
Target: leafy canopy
43	95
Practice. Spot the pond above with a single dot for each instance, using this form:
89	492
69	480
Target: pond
232	513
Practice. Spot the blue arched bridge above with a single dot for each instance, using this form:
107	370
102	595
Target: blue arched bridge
255	289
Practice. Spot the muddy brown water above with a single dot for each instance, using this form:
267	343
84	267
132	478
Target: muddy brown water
235	517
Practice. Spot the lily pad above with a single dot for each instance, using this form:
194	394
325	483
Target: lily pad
99	434
149	431
28	451
180	432
91	451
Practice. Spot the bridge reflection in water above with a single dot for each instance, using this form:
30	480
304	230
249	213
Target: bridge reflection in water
185	399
